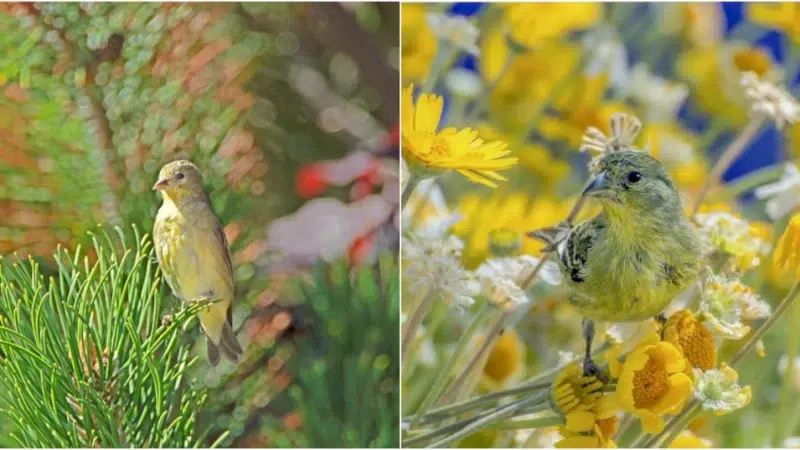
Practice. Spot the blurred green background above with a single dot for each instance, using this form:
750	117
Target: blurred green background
95	97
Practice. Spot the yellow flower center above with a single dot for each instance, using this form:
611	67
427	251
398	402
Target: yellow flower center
505	358
650	384
752	60
440	147
693	339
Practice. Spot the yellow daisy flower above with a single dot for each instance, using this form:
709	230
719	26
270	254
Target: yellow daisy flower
573	392
652	382
419	43
508	213
784	16
532	23
536	160
429	152
687	439
692	338
787	255
505	362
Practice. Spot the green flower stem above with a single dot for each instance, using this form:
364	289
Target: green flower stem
415	321
755	337
438	314
527	424
488	341
752	180
456	426
731	153
446	412
411	185
787	396
486	93
541	381
446	53
444	372
493	416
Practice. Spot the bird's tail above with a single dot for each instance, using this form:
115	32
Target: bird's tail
227	346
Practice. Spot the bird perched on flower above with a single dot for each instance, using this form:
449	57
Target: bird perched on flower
193	254
632	259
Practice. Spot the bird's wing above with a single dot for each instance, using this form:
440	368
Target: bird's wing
166	261
219	235
574	252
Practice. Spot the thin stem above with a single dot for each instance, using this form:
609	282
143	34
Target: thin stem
441	379
731	153
473	362
455	409
541	381
755	337
415	321
787	396
411	185
445	55
752	180
526	424
499	414
463	422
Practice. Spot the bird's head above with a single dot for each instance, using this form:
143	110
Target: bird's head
180	179
632	182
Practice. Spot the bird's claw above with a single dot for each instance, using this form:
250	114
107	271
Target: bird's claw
591	369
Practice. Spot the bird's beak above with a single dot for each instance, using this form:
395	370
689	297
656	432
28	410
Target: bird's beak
161	184
599	186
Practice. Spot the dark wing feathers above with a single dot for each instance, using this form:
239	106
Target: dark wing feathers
571	245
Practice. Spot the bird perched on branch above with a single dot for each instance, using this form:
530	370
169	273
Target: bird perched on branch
628	262
193	255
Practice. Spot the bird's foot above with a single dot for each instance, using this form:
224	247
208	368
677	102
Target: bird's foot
591	369
166	319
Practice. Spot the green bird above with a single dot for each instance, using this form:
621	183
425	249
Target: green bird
631	260
193	254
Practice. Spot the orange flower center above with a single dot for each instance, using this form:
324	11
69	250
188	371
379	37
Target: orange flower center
440	147
685	332
750	60
649	384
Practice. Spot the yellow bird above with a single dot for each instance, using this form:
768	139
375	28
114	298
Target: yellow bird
193	254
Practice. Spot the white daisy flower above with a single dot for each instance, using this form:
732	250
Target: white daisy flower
660	98
725	303
770	100
783	195
457	30
718	390
434	264
501	279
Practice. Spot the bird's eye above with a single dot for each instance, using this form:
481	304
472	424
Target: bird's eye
179	176
634	177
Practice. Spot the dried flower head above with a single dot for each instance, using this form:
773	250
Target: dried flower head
770	100
624	129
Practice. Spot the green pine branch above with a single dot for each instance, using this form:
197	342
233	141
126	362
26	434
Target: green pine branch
87	358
